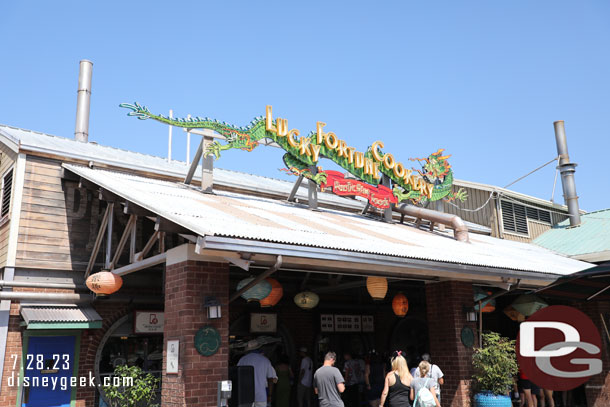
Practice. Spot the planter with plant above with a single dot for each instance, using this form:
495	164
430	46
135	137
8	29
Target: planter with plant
131	387
495	365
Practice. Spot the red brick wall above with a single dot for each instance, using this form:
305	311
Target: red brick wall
8	395
446	318
186	285
598	388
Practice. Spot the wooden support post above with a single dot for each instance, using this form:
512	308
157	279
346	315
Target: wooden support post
153	239
130	224
132	243
193	167
109	235
295	188
161	242
98	240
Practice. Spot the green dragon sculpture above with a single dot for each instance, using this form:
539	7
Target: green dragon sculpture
435	169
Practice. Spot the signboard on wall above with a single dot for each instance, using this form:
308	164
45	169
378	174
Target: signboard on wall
347	323
263	322
148	322
327	323
173	353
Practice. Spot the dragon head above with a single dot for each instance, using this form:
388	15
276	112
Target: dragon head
435	167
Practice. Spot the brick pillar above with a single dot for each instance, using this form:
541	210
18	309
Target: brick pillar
446	318
598	387
186	285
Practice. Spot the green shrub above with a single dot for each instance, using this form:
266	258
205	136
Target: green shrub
136	388
495	364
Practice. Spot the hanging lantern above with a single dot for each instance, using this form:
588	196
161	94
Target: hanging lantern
528	304
104	282
276	293
256	293
400	305
306	299
489	305
377	287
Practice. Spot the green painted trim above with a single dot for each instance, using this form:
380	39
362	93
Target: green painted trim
49	332
65	325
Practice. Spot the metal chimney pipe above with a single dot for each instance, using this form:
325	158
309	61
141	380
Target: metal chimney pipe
83	102
567	169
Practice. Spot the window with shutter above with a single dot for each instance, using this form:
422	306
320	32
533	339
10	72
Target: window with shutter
514	217
7	186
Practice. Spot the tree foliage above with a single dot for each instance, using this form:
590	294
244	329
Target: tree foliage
139	391
495	364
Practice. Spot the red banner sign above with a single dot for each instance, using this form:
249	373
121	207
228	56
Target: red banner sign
380	196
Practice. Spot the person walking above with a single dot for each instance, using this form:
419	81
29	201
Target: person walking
397	388
351	373
328	383
435	373
425	382
305	379
264	373
284	382
374	379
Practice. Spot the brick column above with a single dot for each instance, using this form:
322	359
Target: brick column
446	318
186	285
598	388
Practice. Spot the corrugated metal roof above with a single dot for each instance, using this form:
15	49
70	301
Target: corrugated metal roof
67	147
70	148
248	217
591	236
59	314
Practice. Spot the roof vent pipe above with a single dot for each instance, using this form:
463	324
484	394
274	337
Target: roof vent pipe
83	102
567	169
460	230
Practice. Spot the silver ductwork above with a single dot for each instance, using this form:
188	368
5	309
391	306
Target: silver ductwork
460	230
83	102
567	169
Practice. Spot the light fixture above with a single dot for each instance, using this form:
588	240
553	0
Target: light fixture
213	307
104	282
256	293
275	295
377	287
306	299
400	305
471	314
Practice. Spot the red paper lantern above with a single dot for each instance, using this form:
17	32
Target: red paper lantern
275	296
400	305
104	282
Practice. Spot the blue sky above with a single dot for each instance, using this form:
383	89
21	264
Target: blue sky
483	79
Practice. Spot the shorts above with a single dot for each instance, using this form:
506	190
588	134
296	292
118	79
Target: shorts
525	384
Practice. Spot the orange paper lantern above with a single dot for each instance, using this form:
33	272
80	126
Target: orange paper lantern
400	305
275	296
104	282
377	287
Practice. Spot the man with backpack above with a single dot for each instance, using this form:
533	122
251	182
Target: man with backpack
423	388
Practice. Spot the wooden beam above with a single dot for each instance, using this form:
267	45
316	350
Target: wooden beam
133	209
141	264
108	196
153	239
85	183
130	224
258	279
164	225
193	167
161	242
98	240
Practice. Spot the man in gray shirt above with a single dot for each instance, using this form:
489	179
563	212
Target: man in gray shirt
328	383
